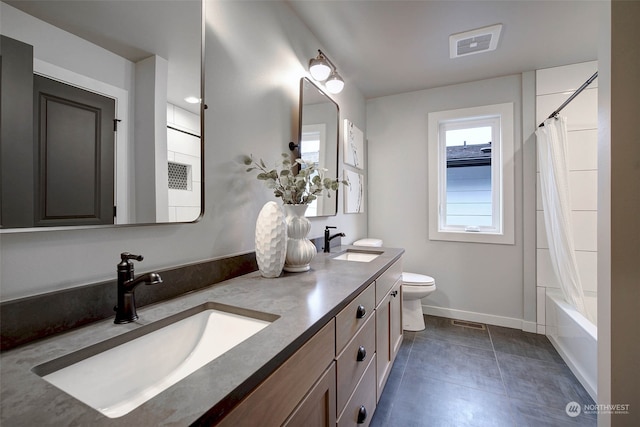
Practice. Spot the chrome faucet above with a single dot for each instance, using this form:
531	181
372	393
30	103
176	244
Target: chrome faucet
328	238
126	308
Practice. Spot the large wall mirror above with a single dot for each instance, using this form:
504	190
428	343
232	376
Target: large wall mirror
101	112
318	140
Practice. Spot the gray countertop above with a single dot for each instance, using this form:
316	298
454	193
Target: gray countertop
304	302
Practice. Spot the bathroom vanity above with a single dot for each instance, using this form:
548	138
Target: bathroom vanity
324	360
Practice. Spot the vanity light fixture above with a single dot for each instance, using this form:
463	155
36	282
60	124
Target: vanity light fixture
323	70
334	83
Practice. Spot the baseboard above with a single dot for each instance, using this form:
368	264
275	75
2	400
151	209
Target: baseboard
490	319
530	327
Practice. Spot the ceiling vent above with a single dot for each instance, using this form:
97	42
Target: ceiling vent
475	41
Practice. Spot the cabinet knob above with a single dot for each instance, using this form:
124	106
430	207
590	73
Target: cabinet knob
361	312
394	294
362	354
362	415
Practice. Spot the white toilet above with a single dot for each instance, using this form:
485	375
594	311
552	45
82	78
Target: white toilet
414	288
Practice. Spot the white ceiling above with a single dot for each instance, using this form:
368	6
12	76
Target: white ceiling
382	46
396	46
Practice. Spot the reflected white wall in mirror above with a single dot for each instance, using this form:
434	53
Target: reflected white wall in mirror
184	158
318	140
313	144
147	57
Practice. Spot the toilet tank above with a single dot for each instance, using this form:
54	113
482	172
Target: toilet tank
376	243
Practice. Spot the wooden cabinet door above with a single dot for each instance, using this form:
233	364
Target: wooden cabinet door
383	343
318	408
395	321
276	398
388	333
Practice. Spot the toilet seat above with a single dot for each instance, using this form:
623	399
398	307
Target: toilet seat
414	279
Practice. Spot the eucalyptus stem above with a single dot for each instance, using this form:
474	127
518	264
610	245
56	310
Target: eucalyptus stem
302	187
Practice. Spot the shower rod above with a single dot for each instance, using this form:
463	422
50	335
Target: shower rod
576	93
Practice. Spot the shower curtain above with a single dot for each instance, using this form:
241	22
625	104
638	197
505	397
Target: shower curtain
554	180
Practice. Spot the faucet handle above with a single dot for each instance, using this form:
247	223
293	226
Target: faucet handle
327	227
124	256
126	265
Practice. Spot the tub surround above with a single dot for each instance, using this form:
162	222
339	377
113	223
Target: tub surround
553	86
575	338
305	302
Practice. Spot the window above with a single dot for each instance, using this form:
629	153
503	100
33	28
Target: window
471	174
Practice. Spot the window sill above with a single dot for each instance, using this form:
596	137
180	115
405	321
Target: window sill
472	237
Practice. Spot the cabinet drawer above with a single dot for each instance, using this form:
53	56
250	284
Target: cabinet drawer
353	316
385	282
362	404
351	364
272	401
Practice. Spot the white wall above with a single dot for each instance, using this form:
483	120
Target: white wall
474	281
256	54
553	87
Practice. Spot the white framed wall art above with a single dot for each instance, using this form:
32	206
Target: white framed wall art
353	145
354	193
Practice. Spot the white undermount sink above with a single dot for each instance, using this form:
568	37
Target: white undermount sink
358	256
120	374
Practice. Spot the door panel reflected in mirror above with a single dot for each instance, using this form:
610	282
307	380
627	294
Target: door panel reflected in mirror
318	140
143	56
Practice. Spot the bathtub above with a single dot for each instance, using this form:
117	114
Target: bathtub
575	337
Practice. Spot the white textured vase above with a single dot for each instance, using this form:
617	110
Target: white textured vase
271	240
300	250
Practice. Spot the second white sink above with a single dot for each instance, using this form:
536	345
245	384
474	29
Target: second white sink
358	256
123	376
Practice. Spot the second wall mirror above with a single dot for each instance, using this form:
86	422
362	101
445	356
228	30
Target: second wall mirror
318	140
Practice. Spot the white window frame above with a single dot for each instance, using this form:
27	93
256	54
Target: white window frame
502	174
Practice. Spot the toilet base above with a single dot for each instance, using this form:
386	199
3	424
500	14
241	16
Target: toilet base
412	317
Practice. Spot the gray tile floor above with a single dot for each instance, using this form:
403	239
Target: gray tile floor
456	376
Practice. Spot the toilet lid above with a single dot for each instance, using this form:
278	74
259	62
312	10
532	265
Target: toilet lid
417	279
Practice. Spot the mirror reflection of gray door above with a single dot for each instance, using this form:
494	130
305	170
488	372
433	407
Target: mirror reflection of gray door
74	133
